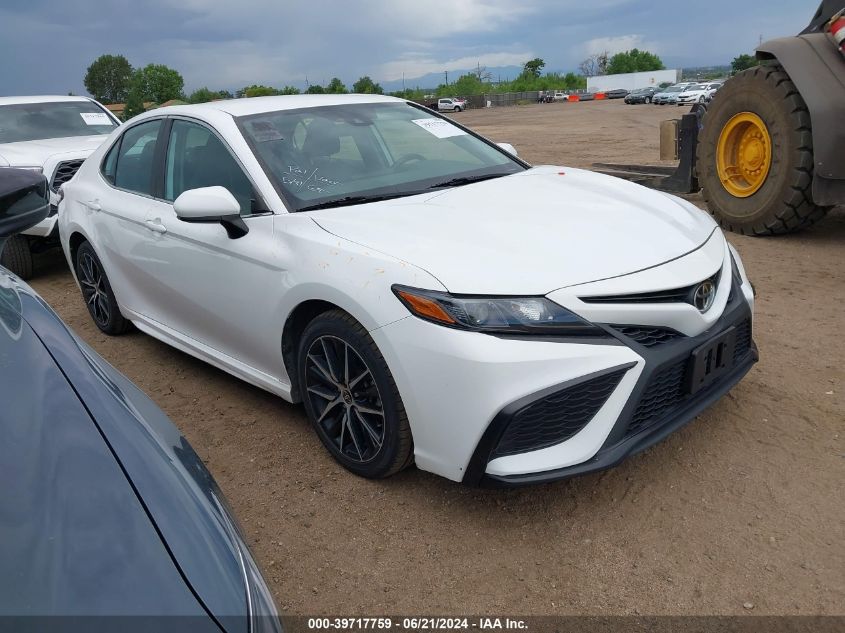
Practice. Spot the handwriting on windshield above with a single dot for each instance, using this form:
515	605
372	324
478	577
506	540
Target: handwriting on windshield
300	178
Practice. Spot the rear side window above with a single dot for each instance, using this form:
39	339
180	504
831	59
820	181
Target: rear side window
136	157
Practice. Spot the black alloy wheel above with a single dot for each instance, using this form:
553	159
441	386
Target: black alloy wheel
97	292
345	397
351	398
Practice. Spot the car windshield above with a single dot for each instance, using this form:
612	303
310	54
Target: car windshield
37	121
674	89
354	153
694	87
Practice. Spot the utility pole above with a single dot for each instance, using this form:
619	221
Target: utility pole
403	82
446	72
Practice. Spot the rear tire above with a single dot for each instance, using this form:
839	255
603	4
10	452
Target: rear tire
17	256
351	398
783	203
648	100
97	292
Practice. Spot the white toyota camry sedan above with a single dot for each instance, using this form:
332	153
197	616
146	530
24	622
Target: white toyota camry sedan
426	294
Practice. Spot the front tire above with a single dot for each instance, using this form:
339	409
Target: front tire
351	398
755	155
97	292
648	100
17	256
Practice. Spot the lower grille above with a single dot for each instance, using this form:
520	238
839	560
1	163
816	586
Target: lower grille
743	340
556	417
666	390
64	172
647	335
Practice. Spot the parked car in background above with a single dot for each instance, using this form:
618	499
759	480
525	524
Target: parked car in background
360	254
618	93
49	135
667	95
697	93
586	96
106	509
716	87
641	95
560	95
451	104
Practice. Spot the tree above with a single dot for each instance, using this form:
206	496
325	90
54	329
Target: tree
158	83
134	100
743	62
482	74
634	61
336	87
315	89
289	90
259	91
594	65
468	84
365	85
532	68
108	78
204	95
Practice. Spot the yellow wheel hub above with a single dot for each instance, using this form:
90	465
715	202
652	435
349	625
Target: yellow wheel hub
744	154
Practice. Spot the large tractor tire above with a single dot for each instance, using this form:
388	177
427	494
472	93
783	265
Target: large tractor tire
755	155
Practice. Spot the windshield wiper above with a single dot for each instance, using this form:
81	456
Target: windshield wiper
350	200
465	180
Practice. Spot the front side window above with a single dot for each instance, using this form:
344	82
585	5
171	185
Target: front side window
197	158
135	158
59	119
355	152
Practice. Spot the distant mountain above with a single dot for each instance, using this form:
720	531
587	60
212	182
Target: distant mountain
432	80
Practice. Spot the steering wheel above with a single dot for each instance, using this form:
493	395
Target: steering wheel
407	158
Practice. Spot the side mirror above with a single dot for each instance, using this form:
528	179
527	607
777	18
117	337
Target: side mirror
24	200
211	205
510	149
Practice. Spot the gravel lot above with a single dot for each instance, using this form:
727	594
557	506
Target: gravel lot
741	511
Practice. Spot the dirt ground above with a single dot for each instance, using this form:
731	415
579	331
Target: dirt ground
745	506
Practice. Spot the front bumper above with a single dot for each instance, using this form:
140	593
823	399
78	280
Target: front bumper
461	390
658	391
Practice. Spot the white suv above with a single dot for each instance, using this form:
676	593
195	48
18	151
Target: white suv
52	135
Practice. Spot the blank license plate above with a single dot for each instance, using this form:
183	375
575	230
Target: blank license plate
711	361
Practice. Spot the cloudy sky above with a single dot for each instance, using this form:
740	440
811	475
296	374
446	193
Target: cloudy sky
46	45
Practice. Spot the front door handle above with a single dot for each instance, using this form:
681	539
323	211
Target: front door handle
155	226
94	205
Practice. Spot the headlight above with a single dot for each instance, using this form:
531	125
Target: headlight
507	315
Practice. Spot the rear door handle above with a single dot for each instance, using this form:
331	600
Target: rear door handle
94	205
155	226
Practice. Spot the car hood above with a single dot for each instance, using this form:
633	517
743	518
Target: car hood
31	153
76	540
179	495
528	233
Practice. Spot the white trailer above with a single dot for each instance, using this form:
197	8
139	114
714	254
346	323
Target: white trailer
632	81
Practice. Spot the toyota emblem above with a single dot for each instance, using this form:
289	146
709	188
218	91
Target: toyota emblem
704	295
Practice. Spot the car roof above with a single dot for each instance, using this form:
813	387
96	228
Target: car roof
40	99
259	105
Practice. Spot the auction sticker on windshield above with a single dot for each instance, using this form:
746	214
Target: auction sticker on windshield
96	118
439	127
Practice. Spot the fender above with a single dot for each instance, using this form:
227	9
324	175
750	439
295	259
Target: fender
818	71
